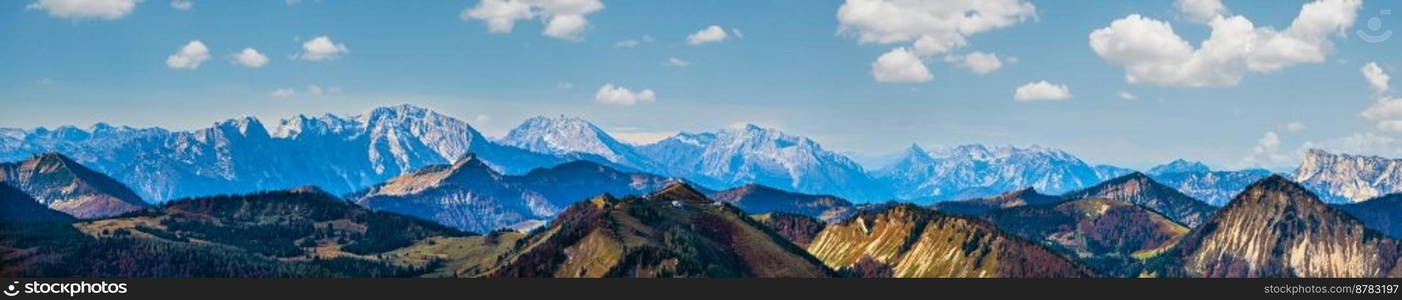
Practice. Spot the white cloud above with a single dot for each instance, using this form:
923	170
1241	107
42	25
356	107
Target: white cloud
1152	53
981	63
1267	153
1041	91
564	85
1387	111
1365	143
564	19
182	5
284	92
900	66
736	32
1376	77
86	9
626	44
1201	11
708	35
620	96
934	26
1126	95
189	56
249	57
1295	126
481	119
321	48
677	62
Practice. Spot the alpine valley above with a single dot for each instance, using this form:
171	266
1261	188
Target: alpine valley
403	191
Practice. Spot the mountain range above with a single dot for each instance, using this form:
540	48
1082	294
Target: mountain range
975	171
1197	180
345	154
471	196
1345	178
339	154
662	227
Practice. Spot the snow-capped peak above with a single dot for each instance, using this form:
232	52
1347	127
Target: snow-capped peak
1180	166
566	135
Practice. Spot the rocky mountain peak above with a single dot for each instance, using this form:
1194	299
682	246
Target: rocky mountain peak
1180	166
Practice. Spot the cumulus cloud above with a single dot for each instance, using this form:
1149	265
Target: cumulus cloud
1152	53
710	34
182	5
931	27
1201	10
900	66
677	62
1376	77
249	57
1267	153
86	9
1386	111
564	19
321	48
1041	91
981	63
620	96
189	56
935	26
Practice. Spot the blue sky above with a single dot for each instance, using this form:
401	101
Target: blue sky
784	64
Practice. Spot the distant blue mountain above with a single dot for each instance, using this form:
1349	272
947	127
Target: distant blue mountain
1199	181
342	154
977	171
338	154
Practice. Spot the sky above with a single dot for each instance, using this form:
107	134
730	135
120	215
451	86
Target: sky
1234	84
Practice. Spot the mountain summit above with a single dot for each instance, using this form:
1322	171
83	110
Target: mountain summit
976	171
675	232
338	153
67	186
1276	228
765	156
1341	178
564	136
1138	188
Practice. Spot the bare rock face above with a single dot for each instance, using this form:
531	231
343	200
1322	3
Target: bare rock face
909	241
1344	178
1278	229
67	186
675	232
